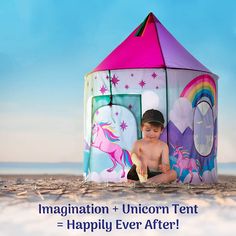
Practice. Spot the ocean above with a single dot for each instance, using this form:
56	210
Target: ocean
70	168
75	168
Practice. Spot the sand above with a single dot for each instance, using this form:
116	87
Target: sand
20	196
41	187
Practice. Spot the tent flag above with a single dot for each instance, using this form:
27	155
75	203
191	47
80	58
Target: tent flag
150	69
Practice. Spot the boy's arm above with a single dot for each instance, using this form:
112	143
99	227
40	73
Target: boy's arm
141	168
165	164
135	148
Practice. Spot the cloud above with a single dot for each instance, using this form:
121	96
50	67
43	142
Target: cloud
195	179
181	114
150	100
209	176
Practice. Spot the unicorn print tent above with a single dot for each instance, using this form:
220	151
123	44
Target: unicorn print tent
150	70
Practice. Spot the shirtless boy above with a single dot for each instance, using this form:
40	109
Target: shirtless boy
150	155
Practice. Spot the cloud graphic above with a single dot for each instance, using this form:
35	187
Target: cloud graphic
195	180
182	114
210	177
150	100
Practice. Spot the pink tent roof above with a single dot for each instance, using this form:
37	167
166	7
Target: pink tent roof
150	45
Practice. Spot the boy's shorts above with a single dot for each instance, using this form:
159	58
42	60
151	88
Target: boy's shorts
132	174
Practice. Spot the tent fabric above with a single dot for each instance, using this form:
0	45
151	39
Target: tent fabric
151	71
175	55
154	48
136	51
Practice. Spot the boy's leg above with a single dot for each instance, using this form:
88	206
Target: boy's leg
132	174
163	178
152	173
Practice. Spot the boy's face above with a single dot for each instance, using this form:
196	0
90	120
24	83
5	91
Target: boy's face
151	132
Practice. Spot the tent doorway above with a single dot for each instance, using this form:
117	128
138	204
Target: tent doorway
114	130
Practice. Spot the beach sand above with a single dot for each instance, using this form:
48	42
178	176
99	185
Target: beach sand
43	187
20	196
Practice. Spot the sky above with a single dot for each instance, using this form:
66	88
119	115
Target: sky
47	46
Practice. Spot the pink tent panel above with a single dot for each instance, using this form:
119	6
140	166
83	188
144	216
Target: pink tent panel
136	51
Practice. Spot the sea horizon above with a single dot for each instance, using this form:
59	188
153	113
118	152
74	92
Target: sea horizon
76	168
66	168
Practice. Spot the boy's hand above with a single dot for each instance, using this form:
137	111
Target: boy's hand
164	167
142	169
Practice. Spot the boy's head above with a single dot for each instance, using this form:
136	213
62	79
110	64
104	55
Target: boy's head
154	118
152	124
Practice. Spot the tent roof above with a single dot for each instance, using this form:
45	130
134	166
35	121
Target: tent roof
150	45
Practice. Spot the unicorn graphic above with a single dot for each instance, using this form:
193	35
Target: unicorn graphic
104	139
184	162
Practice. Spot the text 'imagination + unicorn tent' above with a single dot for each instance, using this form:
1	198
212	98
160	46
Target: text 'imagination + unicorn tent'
150	70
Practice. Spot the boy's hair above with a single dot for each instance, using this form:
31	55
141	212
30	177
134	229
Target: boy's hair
153	117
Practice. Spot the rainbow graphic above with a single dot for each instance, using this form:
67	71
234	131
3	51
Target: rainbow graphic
199	87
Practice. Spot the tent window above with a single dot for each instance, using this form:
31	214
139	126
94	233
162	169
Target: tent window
203	128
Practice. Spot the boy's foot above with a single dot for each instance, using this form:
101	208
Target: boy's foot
137	162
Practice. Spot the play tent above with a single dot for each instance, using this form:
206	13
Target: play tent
150	70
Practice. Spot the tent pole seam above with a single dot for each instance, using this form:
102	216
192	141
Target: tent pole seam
167	107
166	78
109	74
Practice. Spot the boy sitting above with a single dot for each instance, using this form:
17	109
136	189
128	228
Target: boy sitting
150	155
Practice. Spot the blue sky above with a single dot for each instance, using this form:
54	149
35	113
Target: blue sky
47	46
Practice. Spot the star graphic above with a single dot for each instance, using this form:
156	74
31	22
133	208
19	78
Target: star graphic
130	106
127	86
142	83
97	113
154	75
117	113
103	89
115	80
157	87
107	77
123	126
132	75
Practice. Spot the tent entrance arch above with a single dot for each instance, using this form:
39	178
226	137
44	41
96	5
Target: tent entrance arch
132	102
